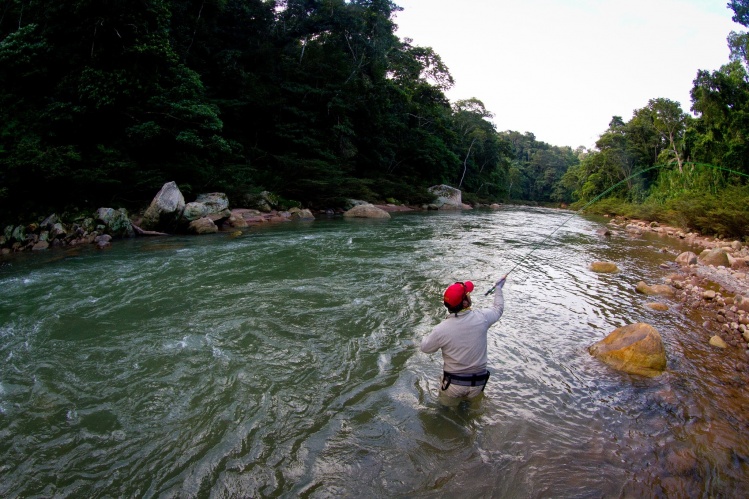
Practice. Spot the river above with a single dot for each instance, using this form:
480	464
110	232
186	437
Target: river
285	363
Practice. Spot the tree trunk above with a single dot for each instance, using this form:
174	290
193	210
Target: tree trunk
465	163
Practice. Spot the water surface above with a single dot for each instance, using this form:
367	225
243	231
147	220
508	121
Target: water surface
285	362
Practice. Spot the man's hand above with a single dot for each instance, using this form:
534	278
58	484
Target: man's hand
501	282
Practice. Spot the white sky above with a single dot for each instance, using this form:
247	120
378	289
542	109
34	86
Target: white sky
562	68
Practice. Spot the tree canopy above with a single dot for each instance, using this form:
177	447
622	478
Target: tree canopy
317	100
103	102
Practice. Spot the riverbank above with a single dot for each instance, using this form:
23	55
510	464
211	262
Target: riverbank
718	294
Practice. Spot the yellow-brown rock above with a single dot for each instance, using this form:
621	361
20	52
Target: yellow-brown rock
635	349
717	341
604	267
656	289
660	307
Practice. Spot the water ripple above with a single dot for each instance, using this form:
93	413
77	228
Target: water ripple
285	363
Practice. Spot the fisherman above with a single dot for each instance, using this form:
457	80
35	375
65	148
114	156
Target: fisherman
462	338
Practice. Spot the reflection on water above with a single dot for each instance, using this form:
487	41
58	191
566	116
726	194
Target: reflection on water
285	363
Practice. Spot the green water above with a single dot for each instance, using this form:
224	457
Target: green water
285	362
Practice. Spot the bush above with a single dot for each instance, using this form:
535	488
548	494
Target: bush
725	213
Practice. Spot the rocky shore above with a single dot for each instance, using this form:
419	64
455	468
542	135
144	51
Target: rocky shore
712	281
209	213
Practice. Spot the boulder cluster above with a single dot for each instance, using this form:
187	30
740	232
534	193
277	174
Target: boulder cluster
210	212
168	213
52	232
713	282
713	279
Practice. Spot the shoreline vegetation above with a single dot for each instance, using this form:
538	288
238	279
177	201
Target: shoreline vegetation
320	102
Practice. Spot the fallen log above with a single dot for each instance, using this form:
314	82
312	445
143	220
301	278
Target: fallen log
142	232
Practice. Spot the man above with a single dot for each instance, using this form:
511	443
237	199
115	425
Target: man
462	338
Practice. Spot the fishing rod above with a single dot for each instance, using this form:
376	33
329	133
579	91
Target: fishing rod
536	246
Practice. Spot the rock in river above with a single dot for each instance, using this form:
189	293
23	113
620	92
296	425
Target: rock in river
604	267
635	349
366	211
655	289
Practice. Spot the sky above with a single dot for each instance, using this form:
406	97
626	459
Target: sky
561	69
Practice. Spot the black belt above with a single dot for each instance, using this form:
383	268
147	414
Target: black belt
464	379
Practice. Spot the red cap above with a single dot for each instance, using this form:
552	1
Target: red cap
455	293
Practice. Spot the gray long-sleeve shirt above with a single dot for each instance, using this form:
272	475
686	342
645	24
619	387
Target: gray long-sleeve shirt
463	338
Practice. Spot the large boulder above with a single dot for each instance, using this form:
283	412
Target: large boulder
216	201
716	256
236	220
19	233
165	210
39	246
48	222
366	211
116	222
350	203
195	210
635	349
446	197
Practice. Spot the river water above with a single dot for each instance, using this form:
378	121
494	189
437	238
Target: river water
285	362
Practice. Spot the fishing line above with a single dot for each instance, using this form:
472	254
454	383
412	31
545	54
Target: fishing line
538	245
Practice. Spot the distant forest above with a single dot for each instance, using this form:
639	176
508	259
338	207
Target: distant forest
315	100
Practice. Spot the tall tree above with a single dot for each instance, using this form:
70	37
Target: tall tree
721	100
670	122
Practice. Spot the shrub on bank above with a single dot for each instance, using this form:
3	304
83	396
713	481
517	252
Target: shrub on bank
725	213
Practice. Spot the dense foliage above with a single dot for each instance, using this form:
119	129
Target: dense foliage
316	100
667	165
102	102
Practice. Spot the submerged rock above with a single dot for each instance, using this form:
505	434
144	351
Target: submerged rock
660	307
656	289
635	349
604	267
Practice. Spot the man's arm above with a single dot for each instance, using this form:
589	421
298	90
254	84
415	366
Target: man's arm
430	343
498	306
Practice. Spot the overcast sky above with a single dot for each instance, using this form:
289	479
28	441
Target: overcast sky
562	68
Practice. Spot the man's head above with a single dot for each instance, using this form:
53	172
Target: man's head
458	296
